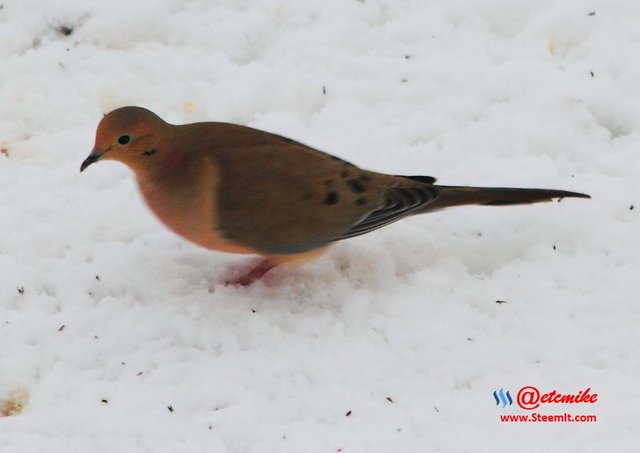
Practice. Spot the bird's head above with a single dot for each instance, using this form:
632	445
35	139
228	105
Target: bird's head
130	135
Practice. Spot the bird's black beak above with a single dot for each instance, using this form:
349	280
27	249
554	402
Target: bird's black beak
93	157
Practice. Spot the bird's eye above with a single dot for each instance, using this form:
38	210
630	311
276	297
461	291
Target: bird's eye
124	139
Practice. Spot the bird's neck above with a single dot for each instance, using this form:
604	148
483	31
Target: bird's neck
171	164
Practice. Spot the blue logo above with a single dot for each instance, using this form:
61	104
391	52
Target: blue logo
502	397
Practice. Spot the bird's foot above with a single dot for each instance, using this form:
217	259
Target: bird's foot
254	274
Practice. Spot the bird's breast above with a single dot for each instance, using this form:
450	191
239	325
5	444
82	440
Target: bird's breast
185	201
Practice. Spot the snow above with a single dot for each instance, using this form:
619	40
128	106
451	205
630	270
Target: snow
400	328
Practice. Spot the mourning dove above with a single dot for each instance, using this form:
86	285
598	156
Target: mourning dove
236	189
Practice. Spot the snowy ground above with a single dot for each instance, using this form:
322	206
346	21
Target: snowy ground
392	342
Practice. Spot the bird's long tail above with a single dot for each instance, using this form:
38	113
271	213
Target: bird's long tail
494	196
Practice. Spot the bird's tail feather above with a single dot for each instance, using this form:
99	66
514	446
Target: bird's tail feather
494	196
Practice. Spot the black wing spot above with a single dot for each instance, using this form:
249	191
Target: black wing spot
361	201
331	198
425	179
355	186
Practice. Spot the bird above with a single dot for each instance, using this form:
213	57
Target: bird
236	189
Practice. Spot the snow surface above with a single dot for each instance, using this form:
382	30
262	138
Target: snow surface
400	328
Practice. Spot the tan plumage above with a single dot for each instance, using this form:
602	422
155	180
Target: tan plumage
241	190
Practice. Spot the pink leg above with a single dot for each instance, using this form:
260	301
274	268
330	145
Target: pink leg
254	274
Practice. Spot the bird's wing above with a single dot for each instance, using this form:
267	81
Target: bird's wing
277	196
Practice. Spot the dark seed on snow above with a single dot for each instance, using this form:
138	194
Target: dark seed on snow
64	30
